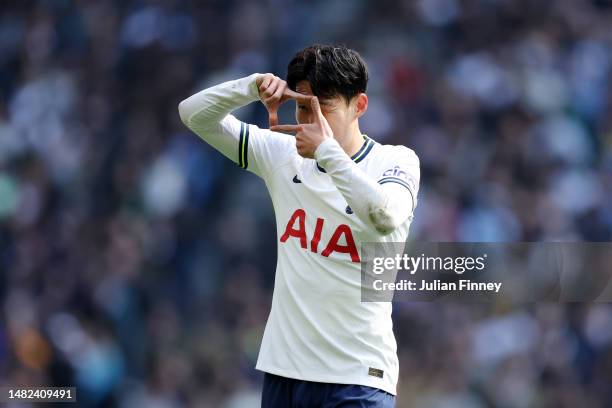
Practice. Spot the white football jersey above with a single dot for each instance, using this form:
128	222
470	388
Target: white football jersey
318	328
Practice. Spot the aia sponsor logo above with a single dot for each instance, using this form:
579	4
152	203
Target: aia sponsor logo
296	229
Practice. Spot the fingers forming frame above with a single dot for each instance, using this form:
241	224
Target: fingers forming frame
279	92
286	128
266	82
273	102
275	91
271	88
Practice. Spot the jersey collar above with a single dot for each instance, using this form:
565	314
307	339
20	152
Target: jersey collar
365	149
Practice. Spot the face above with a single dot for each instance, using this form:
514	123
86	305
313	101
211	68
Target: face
337	112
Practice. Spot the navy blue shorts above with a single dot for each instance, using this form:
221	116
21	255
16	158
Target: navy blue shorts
282	392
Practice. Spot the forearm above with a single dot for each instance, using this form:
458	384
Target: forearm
370	201
206	113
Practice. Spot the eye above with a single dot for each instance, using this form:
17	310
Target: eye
302	107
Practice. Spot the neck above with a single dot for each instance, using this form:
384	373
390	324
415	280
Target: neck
353	140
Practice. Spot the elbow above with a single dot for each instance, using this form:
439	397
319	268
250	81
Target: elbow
184	112
383	221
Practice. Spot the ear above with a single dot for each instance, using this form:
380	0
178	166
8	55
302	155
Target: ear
361	104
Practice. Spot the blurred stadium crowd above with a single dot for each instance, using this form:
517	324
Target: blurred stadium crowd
136	263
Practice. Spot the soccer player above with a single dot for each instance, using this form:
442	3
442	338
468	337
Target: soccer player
332	188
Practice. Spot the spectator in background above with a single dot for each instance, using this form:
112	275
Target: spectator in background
110	214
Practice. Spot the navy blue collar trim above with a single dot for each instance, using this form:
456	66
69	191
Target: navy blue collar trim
365	149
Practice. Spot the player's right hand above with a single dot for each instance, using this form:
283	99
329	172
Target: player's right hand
273	92
308	136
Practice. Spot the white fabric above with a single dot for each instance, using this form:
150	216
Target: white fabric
206	113
318	328
381	206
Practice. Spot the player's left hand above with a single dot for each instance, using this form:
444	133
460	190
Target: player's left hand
308	136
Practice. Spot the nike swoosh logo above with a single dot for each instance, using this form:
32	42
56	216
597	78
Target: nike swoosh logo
296	179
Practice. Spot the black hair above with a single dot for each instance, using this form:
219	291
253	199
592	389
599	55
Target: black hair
330	70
